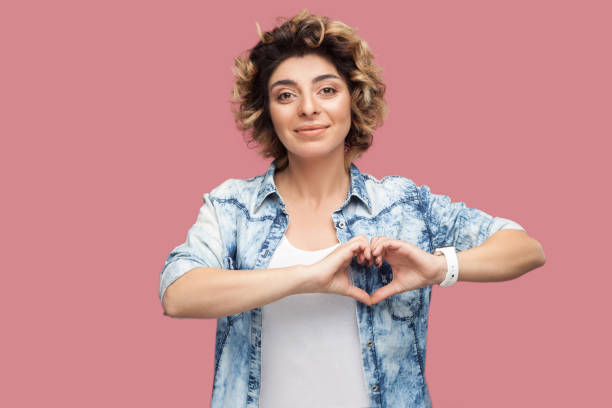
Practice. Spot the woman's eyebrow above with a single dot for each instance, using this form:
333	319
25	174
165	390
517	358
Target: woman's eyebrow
293	83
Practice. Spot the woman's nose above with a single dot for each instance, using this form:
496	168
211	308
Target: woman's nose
308	105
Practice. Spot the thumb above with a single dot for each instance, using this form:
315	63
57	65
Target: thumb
359	294
384	292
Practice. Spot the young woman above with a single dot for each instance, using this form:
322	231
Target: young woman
320	275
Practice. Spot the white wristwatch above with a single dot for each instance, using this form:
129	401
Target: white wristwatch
452	271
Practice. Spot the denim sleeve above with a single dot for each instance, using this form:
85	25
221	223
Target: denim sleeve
203	247
500	223
455	224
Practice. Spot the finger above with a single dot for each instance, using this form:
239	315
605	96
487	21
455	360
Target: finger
347	251
379	250
388	244
391	244
383	293
357	248
359	245
363	256
368	255
373	242
364	253
378	246
403	248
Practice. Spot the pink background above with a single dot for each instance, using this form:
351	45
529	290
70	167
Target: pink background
115	119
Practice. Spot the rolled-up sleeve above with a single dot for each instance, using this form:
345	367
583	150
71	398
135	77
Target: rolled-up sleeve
203	247
455	224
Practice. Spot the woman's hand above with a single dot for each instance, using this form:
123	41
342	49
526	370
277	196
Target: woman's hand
412	267
331	274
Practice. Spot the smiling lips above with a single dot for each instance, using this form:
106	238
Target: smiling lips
311	130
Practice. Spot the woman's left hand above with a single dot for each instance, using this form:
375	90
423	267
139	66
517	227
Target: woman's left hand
412	267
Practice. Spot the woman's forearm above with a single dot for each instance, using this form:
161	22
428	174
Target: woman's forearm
211	292
505	255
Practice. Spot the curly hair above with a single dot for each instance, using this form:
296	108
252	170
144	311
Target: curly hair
303	34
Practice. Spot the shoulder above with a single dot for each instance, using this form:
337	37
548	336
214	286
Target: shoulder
236	193
235	187
390	190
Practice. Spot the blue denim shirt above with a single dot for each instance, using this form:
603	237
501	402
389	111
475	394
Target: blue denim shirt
240	225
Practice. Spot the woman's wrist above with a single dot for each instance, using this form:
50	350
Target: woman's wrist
441	268
303	279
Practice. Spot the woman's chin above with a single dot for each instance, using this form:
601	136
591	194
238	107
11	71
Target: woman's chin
318	154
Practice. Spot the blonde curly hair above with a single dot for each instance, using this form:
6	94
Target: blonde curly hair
303	34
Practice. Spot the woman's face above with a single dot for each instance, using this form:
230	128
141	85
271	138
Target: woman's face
310	107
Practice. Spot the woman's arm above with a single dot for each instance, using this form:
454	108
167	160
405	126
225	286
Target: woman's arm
483	255
207	292
506	254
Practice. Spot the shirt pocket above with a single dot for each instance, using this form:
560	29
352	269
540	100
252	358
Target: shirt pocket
402	306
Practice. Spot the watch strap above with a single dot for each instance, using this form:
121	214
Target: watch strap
452	265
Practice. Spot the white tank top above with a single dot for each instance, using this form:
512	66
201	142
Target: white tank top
310	348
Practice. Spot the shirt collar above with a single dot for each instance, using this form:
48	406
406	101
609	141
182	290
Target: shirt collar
357	189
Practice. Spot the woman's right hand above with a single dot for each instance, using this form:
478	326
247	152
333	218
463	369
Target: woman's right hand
331	274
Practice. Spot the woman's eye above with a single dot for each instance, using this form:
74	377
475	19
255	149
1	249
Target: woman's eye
280	96
287	95
331	90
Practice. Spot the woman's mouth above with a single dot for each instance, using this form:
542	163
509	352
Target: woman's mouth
312	131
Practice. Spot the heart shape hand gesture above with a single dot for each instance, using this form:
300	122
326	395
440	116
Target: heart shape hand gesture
412	268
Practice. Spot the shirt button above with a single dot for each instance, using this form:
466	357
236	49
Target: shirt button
375	388
370	343
341	224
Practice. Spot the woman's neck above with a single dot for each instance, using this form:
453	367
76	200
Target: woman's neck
313	184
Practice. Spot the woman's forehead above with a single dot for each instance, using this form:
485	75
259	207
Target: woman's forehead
303	69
